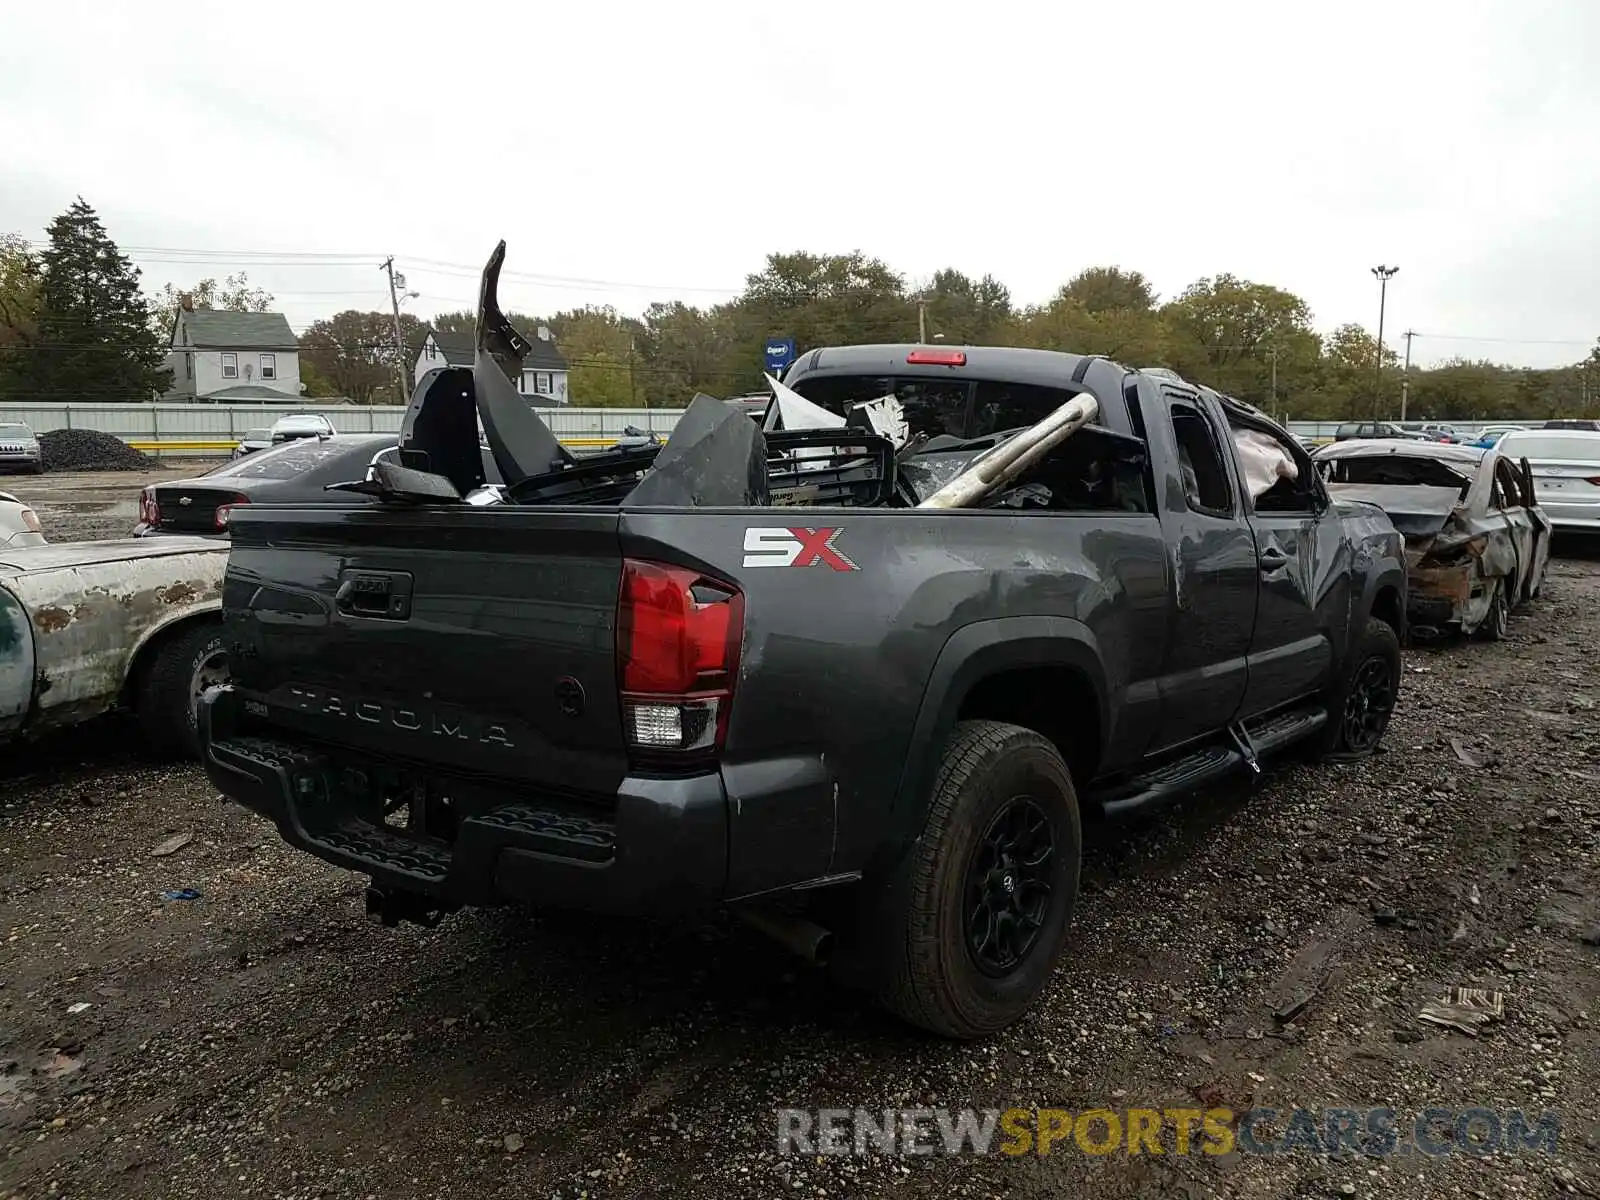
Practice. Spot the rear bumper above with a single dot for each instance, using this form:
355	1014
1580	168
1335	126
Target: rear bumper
1576	517
662	847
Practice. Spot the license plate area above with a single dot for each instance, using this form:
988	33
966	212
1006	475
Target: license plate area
403	801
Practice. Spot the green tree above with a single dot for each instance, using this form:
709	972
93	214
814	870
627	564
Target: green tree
966	311
19	290
682	350
354	352
823	300
1108	289
233	294
1346	384
1249	340
92	338
602	360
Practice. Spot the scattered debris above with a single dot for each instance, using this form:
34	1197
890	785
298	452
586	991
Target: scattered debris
1463	1008
181	894
173	844
1465	756
80	1006
513	1143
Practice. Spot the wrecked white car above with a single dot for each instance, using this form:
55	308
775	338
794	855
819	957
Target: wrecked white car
19	524
1477	542
88	627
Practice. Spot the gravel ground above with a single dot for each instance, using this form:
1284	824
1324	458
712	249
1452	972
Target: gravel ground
264	1040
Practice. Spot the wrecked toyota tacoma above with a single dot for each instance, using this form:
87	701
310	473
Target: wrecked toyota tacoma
1477	540
647	682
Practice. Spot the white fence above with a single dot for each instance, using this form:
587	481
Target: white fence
144	424
215	423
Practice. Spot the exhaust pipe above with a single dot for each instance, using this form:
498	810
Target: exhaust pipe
796	934
1004	463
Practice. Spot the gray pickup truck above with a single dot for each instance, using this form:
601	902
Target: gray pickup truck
869	723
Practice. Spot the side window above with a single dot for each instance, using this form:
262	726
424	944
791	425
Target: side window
1278	477
1205	478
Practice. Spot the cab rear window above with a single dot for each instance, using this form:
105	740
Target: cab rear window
957	407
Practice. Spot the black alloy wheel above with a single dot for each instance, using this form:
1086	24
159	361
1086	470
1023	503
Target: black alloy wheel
1008	887
1368	705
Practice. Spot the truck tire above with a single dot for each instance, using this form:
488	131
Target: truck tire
167	703
973	923
1364	699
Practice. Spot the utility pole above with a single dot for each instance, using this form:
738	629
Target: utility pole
399	345
1383	274
1273	355
922	322
1405	377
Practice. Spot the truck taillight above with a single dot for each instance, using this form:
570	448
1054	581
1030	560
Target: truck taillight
149	509
678	637
223	510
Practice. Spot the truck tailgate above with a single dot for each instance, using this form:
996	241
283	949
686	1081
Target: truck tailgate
481	640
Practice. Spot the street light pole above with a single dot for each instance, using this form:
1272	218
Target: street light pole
1383	274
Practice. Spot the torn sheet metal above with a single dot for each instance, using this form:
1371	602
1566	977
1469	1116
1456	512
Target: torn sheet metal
1013	457
715	457
794	411
522	444
885	417
1414	511
1262	461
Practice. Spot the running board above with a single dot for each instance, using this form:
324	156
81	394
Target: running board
1245	745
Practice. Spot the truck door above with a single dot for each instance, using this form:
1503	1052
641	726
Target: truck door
1304	565
1214	572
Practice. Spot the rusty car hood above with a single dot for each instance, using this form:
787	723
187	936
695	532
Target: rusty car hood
21	560
1416	511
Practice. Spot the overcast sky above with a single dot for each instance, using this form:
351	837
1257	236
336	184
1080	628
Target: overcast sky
632	152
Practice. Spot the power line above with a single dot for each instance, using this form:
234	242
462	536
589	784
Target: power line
172	255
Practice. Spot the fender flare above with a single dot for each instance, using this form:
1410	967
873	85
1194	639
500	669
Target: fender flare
971	654
1389	573
136	655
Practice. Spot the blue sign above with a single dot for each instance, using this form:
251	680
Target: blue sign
780	353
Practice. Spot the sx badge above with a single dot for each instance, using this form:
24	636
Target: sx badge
778	546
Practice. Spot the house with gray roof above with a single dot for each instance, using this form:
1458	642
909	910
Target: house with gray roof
544	369
222	357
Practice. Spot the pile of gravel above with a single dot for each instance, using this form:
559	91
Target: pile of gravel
89	450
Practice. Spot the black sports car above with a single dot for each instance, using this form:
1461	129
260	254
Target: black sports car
296	472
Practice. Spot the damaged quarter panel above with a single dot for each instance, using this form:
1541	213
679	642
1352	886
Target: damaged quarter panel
866	626
90	607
